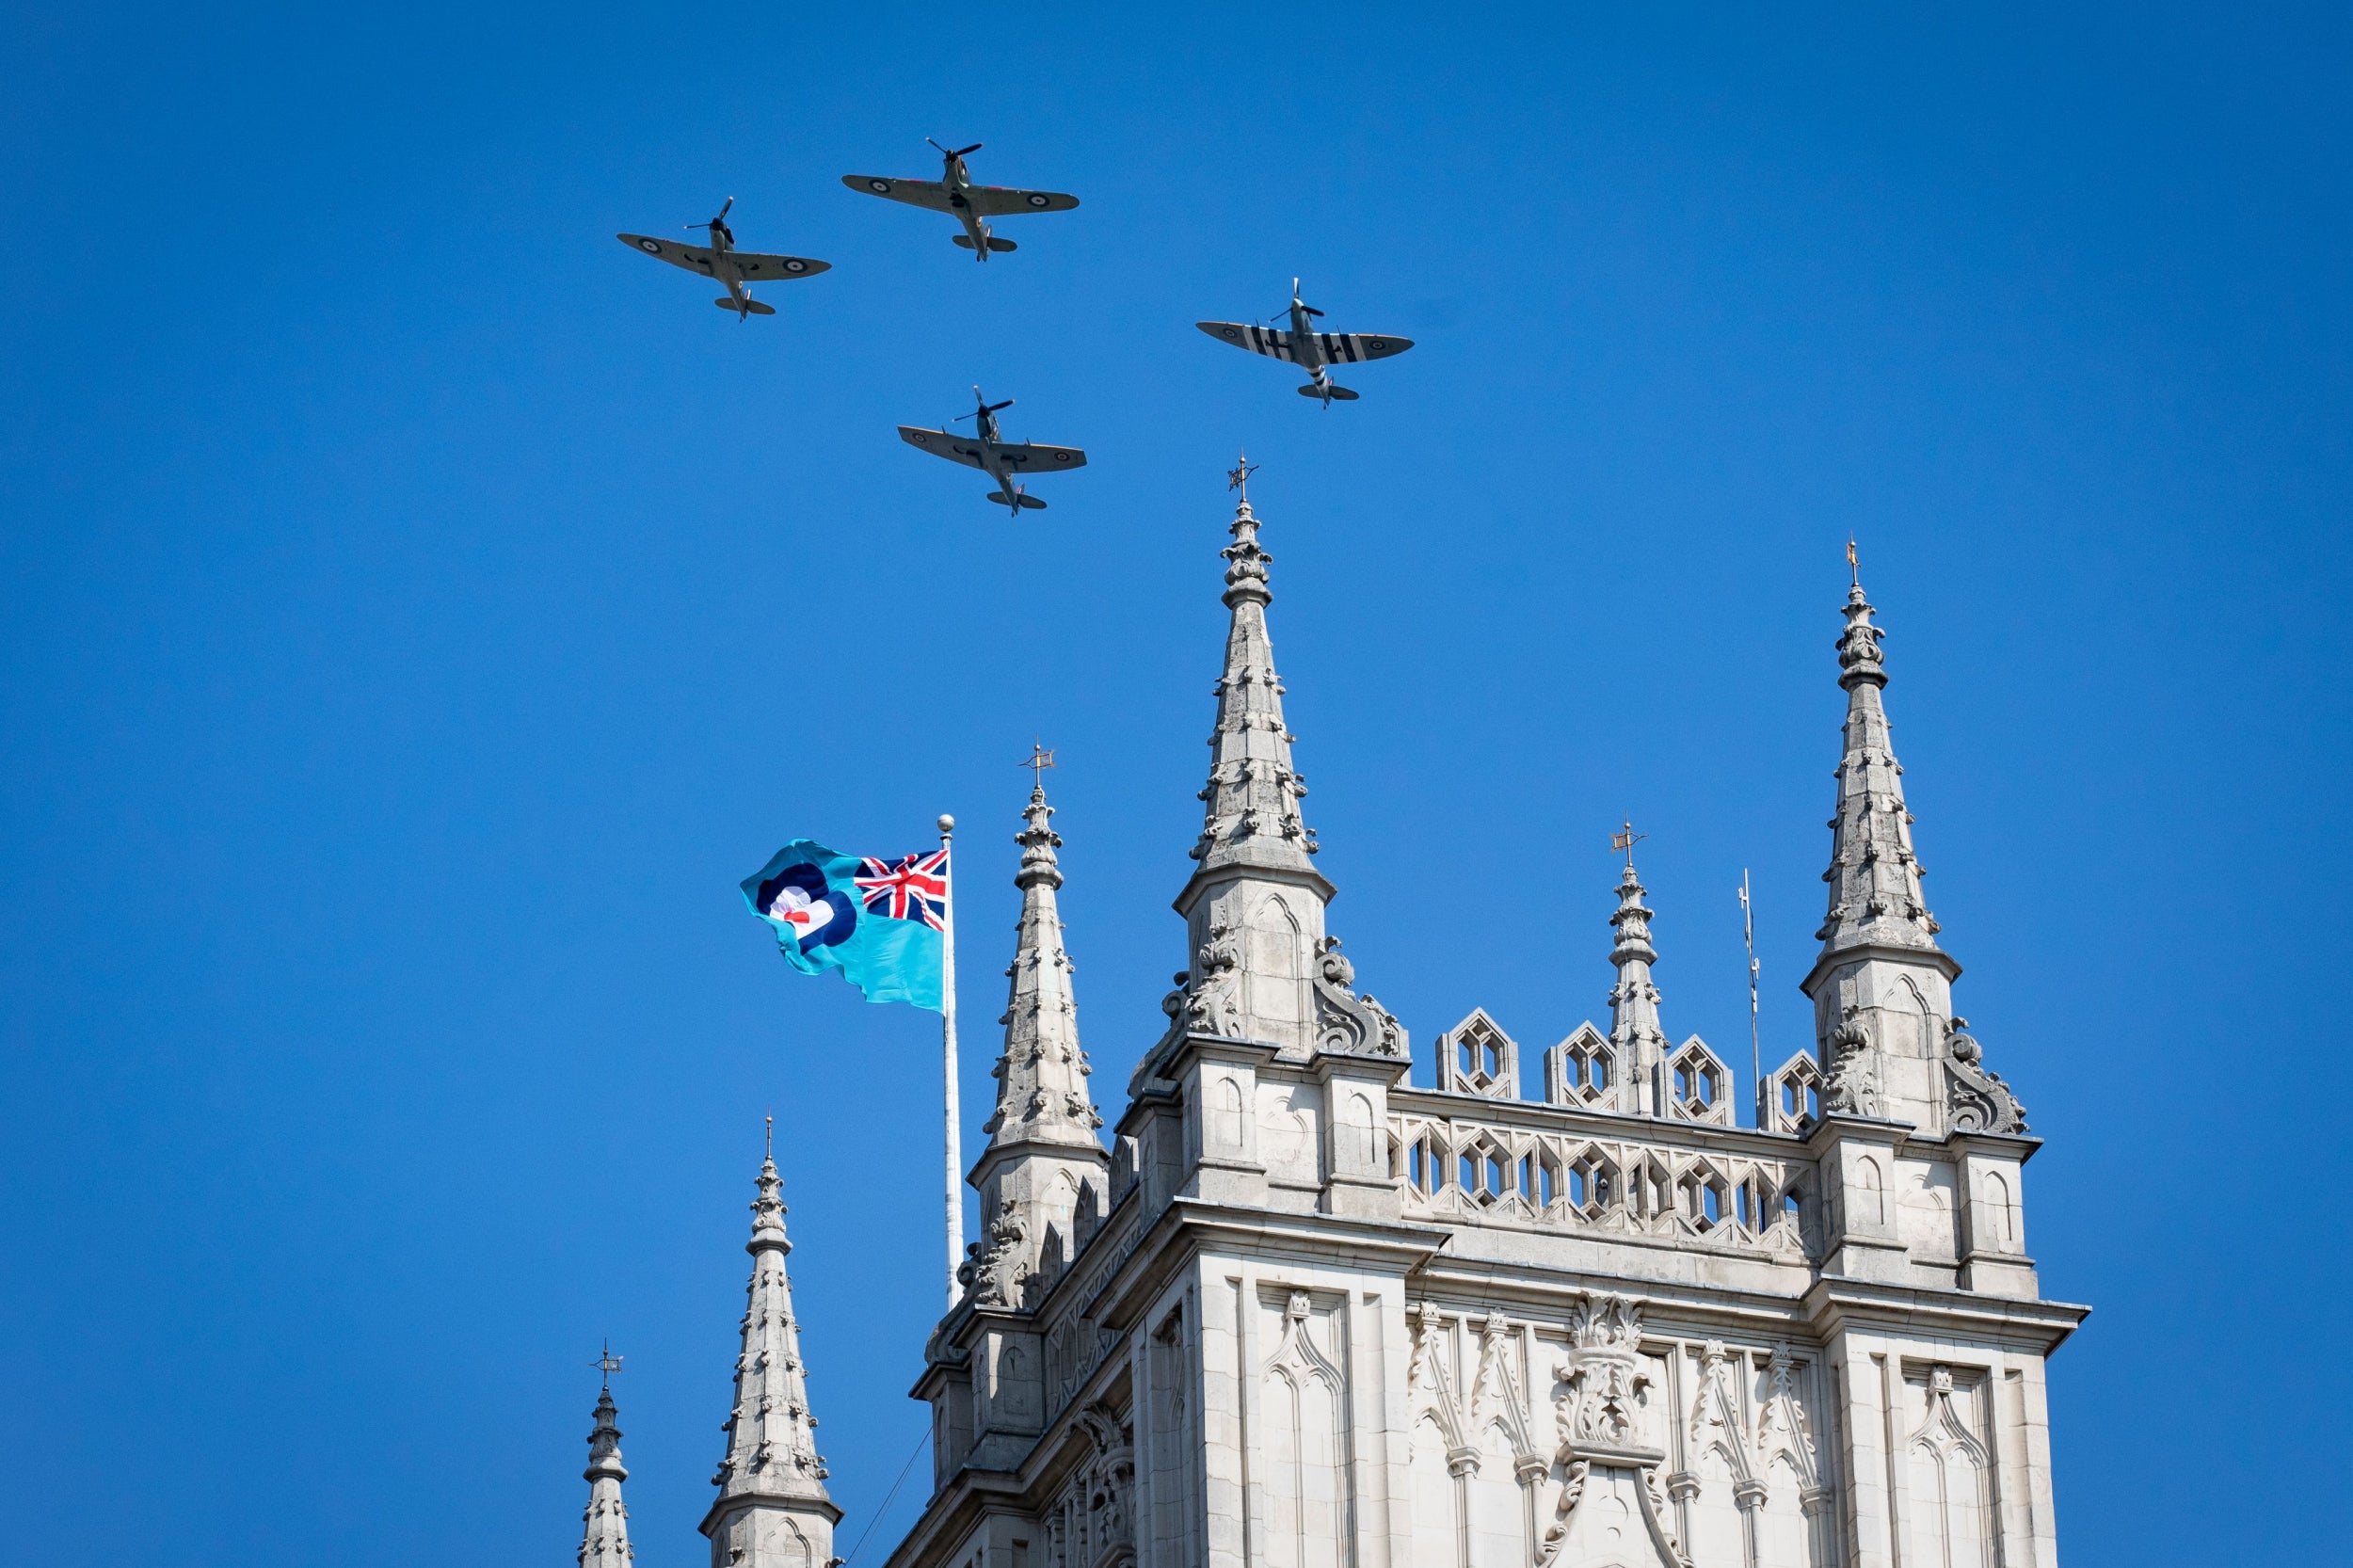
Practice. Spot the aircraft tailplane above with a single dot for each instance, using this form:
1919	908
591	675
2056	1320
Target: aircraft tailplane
1030	501
1330	390
754	306
994	243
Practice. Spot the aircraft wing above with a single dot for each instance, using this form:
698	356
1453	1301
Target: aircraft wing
1258	340
1028	457
915	193
940	443
764	268
1348	347
694	258
998	201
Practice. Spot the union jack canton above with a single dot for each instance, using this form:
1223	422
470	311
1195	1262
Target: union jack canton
912	888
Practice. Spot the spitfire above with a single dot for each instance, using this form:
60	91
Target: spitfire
733	268
1303	345
989	451
1011	464
972	205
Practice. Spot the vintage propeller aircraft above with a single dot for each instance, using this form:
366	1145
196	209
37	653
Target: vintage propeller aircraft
1303	345
987	451
733	268
972	205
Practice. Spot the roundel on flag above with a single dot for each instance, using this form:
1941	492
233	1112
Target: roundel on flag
798	900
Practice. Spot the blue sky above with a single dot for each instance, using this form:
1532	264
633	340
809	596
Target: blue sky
419	611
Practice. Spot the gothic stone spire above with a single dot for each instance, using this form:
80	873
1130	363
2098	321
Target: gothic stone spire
1254	907
1640	1043
1044	1162
1881	987
1874	880
772	1510
604	1543
1041	1076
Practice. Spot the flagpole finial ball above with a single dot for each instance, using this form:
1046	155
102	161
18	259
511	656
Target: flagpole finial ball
947	822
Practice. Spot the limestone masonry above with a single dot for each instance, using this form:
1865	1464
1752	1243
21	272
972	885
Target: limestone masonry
1303	1313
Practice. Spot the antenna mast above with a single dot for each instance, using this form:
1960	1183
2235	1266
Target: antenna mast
1757	1055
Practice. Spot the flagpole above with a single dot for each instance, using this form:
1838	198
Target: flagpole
948	1058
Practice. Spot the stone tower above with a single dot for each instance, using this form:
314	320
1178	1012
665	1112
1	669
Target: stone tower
1305	1312
1333	1319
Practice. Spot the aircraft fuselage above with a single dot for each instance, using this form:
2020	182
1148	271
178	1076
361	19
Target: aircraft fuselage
958	179
1307	349
723	267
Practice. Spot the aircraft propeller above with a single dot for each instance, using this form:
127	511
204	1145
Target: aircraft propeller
717	221
960	152
985	407
1301	303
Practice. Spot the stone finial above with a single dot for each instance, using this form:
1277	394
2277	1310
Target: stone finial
1635	1033
768	1213
604	1540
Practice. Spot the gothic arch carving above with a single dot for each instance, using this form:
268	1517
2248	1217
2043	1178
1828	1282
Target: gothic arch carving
1429	1387
1716	1423
1782	1429
1496	1398
1307	1462
1951	1493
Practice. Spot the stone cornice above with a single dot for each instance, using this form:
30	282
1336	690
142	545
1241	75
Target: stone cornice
1180	1232
1894	952
1027	1148
1837	1305
1239	870
728	1502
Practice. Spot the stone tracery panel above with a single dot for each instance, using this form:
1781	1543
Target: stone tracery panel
1455	1167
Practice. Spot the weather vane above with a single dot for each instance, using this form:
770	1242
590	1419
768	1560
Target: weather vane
770	1149
1237	478
1040	759
1854	564
1624	839
607	1363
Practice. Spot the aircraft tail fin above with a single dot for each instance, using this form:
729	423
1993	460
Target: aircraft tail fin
994	243
1338	392
754	306
1030	502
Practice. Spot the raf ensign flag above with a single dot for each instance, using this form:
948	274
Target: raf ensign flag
878	922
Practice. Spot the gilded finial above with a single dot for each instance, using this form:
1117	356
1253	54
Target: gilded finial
769	1152
1854	563
1041	758
608	1363
1624	839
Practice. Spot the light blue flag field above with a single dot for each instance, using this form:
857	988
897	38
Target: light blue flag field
881	922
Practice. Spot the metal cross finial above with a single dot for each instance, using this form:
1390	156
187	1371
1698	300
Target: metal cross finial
608	1363
1624	839
1854	564
1237	478
1040	759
